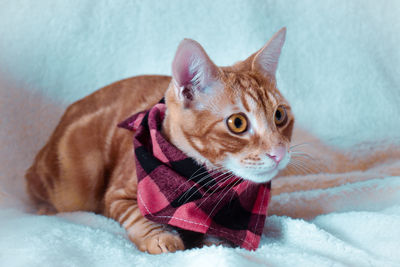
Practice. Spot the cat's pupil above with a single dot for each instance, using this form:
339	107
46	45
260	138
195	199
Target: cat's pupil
278	115
238	122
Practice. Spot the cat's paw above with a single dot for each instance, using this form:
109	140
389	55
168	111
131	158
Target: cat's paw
162	242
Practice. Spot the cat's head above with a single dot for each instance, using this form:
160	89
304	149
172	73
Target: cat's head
233	117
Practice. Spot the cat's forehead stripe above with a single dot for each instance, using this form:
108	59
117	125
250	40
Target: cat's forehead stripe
262	101
272	98
245	102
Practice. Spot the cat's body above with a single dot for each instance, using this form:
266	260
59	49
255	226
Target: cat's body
89	142
88	163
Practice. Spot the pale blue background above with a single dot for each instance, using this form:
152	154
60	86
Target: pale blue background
340	67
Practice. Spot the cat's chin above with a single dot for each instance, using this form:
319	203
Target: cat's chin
253	175
256	173
257	177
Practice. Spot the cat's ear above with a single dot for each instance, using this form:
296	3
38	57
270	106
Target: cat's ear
266	59
192	70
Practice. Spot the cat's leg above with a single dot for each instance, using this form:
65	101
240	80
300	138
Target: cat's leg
146	235
68	174
121	205
149	236
72	190
38	186
80	183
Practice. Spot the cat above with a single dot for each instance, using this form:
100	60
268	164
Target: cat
232	118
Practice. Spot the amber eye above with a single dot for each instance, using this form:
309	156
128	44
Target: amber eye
237	123
280	116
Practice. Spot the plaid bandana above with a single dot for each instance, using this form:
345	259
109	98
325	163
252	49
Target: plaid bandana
173	189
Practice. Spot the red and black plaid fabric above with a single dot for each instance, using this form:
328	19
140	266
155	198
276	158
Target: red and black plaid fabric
173	189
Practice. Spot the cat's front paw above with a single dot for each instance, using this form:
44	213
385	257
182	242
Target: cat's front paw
163	242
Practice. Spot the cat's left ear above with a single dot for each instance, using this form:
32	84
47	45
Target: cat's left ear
266	59
192	71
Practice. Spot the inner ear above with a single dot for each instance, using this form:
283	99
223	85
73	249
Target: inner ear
187	93
192	70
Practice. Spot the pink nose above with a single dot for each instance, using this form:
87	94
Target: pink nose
277	153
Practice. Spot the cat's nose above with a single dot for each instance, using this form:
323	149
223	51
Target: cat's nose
277	153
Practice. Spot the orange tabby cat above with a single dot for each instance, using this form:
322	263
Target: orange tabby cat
88	163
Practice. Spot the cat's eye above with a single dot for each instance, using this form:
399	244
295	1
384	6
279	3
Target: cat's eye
237	123
280	116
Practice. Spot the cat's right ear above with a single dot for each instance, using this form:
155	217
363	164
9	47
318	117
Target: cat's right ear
192	71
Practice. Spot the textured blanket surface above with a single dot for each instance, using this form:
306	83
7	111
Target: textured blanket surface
339	70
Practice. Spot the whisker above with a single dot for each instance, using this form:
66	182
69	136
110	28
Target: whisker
301	144
301	153
314	164
216	185
308	159
308	169
299	167
223	180
204	185
293	170
247	187
193	177
201	180
219	201
209	171
243	181
300	162
296	169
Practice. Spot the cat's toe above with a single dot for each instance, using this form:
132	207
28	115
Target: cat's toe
163	243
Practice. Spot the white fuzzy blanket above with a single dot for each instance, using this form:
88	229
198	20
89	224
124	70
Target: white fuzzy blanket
340	70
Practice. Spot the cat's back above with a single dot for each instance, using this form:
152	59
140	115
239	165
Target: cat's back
113	102
87	138
98	113
126	96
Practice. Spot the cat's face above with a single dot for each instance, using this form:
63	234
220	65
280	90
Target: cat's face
232	117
